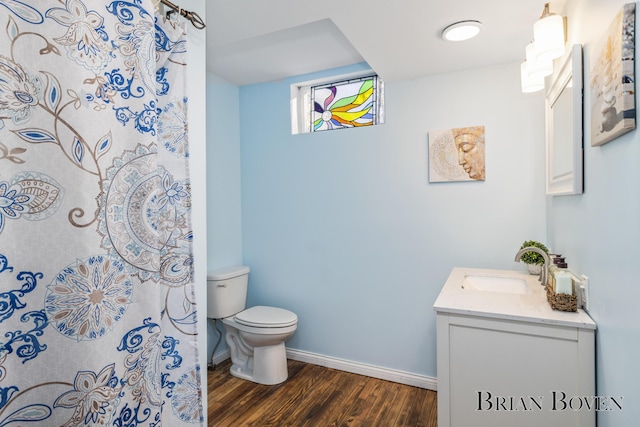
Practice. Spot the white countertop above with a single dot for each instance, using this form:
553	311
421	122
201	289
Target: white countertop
531	306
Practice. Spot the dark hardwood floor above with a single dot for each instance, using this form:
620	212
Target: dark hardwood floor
317	396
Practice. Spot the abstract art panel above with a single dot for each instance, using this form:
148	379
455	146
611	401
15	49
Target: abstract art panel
613	111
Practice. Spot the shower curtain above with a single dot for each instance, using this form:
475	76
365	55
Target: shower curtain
97	309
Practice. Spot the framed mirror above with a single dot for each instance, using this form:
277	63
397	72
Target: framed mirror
563	117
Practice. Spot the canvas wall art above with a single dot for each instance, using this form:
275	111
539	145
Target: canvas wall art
613	110
457	154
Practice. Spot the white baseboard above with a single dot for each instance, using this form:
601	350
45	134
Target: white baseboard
394	375
220	357
401	377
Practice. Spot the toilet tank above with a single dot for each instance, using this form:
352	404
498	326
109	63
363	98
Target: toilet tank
227	291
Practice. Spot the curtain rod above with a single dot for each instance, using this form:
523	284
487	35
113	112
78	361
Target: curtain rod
191	16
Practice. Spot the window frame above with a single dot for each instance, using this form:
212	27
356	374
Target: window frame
301	106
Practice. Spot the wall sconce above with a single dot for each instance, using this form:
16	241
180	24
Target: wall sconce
548	35
528	82
537	67
547	45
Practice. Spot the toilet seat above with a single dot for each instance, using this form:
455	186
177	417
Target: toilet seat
266	317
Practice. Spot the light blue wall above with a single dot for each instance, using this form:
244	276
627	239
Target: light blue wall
223	174
599	233
224	229
343	227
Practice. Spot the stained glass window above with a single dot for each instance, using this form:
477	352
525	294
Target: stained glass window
346	104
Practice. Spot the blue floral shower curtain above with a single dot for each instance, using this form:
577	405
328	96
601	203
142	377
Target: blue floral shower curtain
97	309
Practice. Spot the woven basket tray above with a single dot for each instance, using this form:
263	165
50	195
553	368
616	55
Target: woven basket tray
561	302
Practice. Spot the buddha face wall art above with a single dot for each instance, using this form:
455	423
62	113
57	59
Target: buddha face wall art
457	154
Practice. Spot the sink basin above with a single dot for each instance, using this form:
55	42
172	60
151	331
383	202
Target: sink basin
508	285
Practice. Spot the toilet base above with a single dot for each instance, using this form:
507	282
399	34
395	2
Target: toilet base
269	366
257	355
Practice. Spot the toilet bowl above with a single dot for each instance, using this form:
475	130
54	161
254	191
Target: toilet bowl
257	349
256	335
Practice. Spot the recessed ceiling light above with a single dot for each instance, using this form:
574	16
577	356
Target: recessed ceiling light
463	30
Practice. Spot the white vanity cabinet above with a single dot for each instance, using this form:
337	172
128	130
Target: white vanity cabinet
510	360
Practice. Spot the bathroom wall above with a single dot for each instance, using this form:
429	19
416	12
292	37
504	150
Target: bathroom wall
224	232
223	174
343	227
599	231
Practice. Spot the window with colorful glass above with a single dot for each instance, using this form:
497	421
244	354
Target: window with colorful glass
346	104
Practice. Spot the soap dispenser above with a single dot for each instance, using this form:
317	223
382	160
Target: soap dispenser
562	282
556	258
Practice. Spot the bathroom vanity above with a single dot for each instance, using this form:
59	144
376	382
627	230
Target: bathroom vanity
505	358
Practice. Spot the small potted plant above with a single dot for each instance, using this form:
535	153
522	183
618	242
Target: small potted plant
533	260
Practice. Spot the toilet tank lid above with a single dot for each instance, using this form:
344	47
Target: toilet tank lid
228	273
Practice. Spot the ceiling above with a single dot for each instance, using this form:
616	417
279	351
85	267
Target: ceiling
256	41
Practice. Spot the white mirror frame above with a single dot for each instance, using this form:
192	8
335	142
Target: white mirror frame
567	149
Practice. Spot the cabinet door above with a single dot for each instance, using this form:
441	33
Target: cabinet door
504	373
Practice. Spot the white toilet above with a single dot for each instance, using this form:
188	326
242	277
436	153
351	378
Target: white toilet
255	336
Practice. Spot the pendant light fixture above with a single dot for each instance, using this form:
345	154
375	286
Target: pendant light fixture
548	35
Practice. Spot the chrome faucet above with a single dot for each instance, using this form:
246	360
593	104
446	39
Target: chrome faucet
544	274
